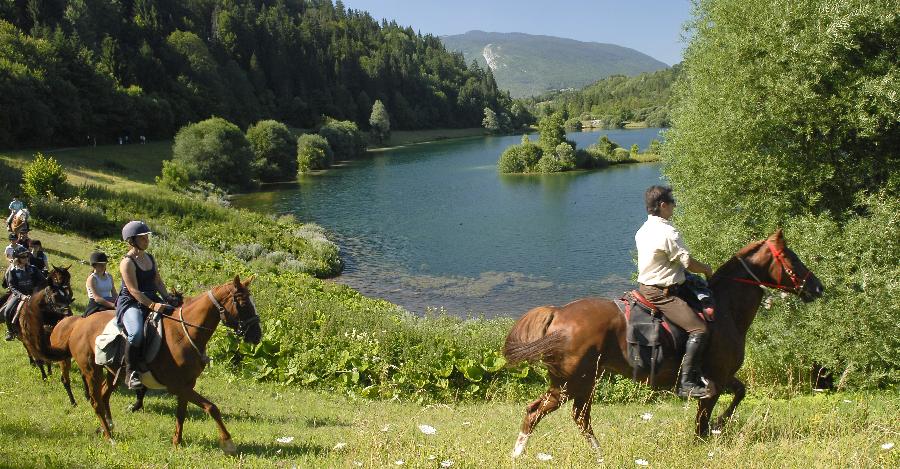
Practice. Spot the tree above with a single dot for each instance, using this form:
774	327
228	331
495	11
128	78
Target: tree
43	176
313	152
552	132
635	149
344	138
490	122
380	122
521	158
215	151
274	150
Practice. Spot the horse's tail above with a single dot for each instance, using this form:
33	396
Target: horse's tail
528	340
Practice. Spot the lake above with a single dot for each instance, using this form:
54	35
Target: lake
436	226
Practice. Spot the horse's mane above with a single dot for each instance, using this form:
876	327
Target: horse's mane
733	262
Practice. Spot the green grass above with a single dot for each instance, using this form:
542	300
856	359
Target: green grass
39	429
407	137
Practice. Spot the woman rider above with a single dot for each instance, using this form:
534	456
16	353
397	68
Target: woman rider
100	286
21	278
141	292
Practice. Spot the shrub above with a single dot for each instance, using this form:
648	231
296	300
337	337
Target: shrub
620	155
345	139
380	122
274	150
522	158
43	176
573	124
552	132
215	151
549	163
313	152
174	176
565	152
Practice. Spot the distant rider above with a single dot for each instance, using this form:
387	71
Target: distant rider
39	258
21	278
662	261
14	208
139	294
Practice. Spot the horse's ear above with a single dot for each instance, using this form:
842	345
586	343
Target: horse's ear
237	281
777	237
66	268
249	280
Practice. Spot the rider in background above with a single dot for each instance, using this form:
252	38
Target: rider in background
21	278
11	249
39	258
14	207
23	239
142	291
100	286
662	261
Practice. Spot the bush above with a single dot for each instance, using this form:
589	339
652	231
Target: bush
566	153
174	176
43	176
215	151
313	152
345	139
573	124
522	158
380	122
274	151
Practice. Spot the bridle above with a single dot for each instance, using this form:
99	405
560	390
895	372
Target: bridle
240	328
60	309
798	283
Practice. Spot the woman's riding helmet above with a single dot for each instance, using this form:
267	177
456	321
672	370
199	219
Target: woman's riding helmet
134	228
13	237
98	257
21	251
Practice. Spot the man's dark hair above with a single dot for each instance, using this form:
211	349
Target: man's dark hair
656	195
35	242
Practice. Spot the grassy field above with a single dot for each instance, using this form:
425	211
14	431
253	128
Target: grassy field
407	137
39	429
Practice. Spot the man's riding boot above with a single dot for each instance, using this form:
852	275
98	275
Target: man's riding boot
10	329
132	358
689	385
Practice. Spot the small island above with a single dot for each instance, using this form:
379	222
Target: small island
552	153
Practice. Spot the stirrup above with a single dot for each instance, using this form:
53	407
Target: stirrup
134	381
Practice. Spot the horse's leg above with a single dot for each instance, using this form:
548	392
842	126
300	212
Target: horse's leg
534	412
87	394
180	412
581	413
138	399
739	390
704	411
224	437
64	368
106	391
93	378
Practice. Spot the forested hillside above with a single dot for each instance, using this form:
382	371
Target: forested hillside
72	71
617	99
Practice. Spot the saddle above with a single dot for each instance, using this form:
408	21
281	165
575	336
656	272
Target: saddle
109	347
647	328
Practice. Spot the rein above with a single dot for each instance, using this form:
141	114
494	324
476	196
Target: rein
779	256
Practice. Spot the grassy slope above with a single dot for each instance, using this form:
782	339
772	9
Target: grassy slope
841	430
38	429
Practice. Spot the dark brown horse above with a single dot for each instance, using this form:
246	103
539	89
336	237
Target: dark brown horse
178	363
578	340
39	313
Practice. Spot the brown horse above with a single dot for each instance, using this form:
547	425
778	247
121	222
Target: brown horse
37	314
20	221
179	361
578	340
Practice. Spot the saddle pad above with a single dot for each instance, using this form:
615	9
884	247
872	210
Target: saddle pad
106	345
153	336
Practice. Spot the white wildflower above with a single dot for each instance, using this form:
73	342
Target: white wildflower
285	439
646	416
399	462
341	445
431	457
847	401
466	424
357	463
385	428
446	463
427	429
642	462
887	446
716	432
544	457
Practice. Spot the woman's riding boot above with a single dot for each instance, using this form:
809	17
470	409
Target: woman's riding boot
132	358
690	367
10	329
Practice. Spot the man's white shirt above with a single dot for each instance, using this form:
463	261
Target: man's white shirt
662	255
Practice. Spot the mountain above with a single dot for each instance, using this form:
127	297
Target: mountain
528	65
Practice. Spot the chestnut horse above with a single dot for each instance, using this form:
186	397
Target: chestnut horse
41	311
579	339
180	360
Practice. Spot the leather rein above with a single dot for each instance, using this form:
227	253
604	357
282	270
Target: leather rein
239	329
798	283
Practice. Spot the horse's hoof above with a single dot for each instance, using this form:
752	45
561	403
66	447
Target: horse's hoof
228	447
135	407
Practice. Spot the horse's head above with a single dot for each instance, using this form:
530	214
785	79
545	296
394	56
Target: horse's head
779	267
239	312
60	296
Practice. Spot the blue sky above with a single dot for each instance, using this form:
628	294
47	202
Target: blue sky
653	27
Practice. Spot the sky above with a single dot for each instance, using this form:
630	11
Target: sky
653	27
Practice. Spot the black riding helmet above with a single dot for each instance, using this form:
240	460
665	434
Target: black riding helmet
21	251
98	257
13	237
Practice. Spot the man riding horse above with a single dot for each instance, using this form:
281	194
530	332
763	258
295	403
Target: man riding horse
662	261
21	279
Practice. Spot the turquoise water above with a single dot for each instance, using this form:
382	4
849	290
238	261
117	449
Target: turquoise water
434	225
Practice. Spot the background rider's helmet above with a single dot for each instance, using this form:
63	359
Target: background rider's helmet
13	237
21	251
134	228
98	257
